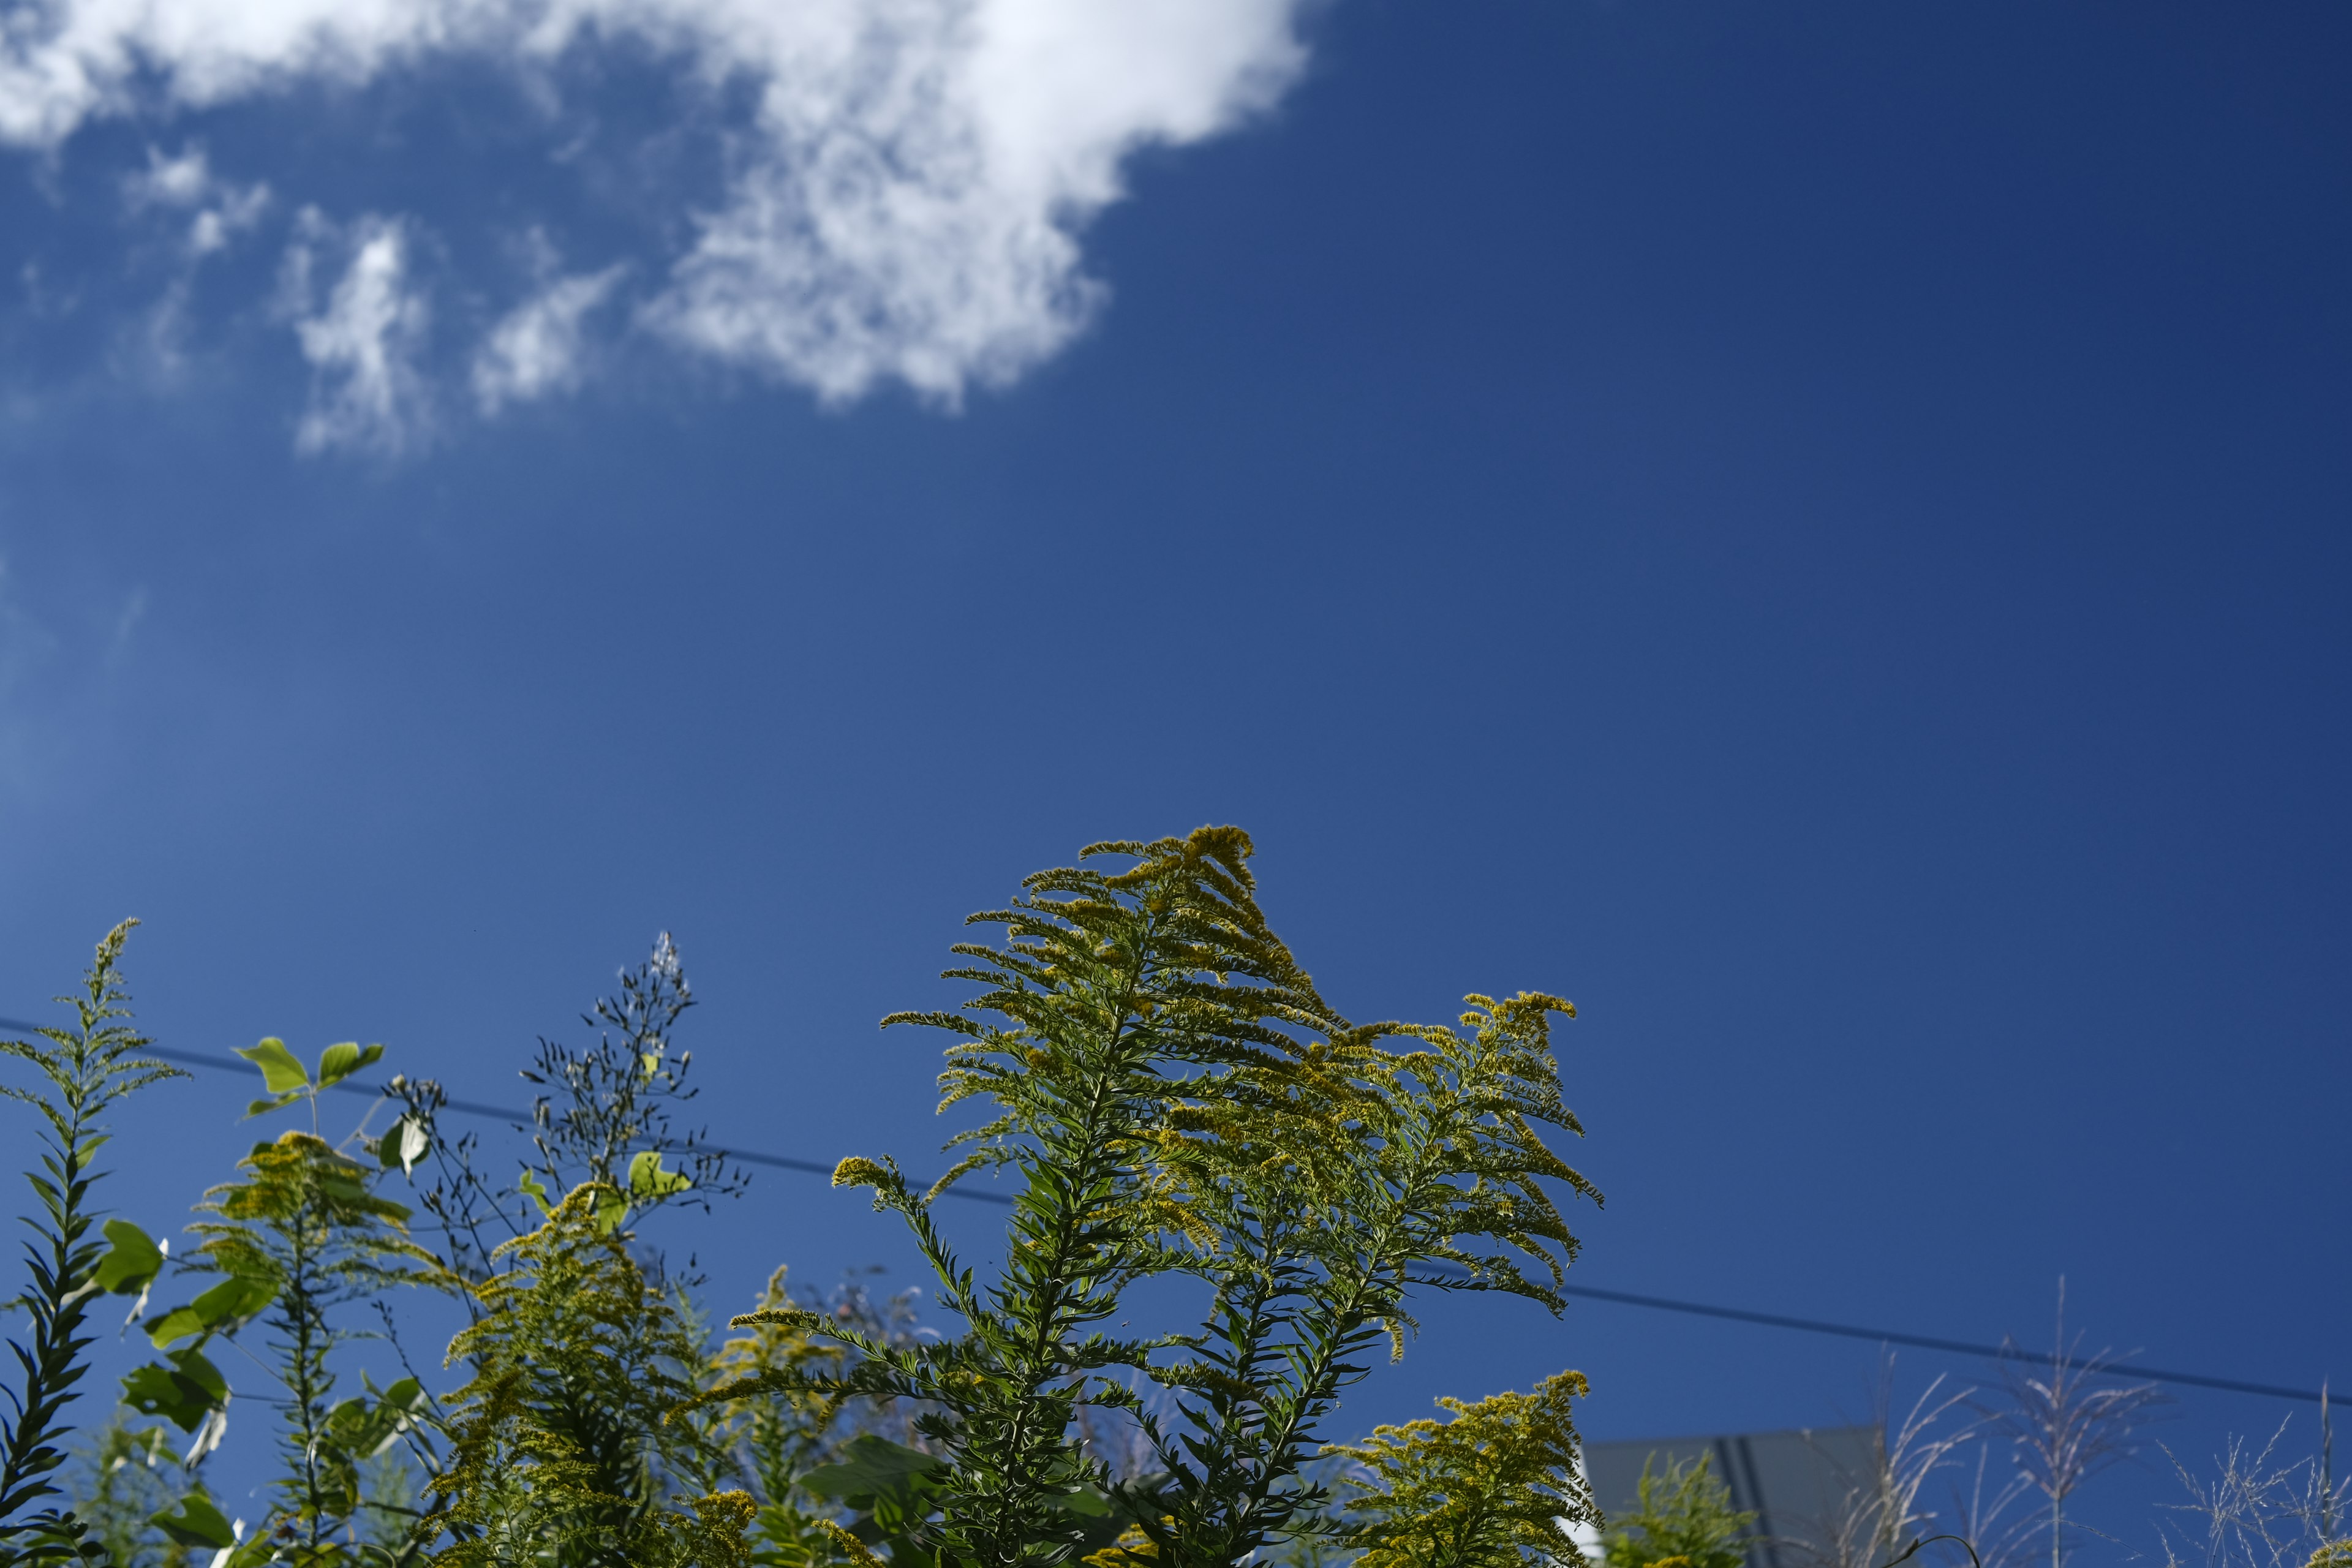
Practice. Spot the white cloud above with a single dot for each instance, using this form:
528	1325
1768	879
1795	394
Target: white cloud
536	349
366	393
918	172
222	208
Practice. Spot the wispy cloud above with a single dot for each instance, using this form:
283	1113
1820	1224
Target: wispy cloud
917	173
362	342
536	349
220	208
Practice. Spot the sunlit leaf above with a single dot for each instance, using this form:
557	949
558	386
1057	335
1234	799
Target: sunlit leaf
131	1262
339	1062
195	1522
281	1071
234	1299
648	1180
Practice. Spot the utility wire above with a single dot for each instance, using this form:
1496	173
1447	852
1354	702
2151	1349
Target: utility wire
1621	1298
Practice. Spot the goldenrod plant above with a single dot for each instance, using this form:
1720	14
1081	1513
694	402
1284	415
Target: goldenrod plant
84	1072
1173	1097
1329	1181
559	1453
1495	1486
1682	1518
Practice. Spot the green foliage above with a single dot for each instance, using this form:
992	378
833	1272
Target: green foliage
126	1477
300	1235
774	1446
287	1080
1174	1097
1683	1516
1166	1095
88	1069
611	1112
1106	984
1492	1488
560	1453
1332	1179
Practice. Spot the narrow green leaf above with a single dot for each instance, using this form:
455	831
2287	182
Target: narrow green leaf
532	1185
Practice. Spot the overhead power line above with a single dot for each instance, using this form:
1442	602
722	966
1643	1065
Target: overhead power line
1621	1298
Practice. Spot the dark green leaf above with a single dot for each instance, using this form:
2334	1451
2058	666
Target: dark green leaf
196	1523
875	1465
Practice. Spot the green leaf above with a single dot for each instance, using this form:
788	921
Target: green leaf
403	1145
191	1365
263	1107
648	1180
531	1185
234	1299
177	1324
224	1305
341	1061
279	1069
874	1466
197	1524
131	1262
609	1212
183	1392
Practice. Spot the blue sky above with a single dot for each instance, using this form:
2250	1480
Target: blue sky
1816	531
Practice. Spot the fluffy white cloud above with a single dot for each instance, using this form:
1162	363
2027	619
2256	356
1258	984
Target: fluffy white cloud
366	394
919	171
536	349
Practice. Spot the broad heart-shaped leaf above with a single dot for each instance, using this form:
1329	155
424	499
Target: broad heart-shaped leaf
279	1072
177	1324
131	1262
196	1523
229	1302
183	1392
341	1061
648	1180
874	1466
